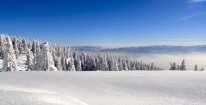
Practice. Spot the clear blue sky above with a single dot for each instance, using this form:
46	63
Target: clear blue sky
96	22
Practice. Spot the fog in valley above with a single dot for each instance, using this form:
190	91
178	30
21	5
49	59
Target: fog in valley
163	59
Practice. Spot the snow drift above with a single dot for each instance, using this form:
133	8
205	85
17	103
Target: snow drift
103	88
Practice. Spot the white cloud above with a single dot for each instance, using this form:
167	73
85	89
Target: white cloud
195	1
192	16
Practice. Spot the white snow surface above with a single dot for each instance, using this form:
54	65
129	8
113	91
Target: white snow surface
103	88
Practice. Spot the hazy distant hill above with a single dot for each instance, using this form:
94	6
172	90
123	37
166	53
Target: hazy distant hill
87	48
146	49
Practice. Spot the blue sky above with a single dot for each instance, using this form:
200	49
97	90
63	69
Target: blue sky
105	22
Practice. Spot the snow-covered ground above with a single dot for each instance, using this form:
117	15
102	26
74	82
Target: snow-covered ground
103	88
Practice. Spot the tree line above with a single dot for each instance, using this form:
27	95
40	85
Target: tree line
50	57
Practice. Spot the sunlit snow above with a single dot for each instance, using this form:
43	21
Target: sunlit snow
103	88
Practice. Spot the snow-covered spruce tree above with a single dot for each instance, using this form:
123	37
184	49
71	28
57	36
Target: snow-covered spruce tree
85	60
195	68
70	63
137	65
109	61
30	45
90	63
58	51
93	63
183	66
63	62
173	66
202	69
57	58
29	61
9	60
34	47
36	52
79	66
104	65
98	62
53	51
177	67
114	65
124	63
69	60
76	57
146	67
1	46
134	65
57	62
3	41
38	47
45	60
15	46
120	65
152	66
141	66
20	46
128	64
24	44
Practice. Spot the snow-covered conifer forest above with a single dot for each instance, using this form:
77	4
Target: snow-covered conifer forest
19	54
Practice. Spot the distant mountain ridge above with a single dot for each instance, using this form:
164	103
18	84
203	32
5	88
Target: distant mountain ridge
87	48
146	49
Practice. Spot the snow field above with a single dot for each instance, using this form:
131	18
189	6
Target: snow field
103	88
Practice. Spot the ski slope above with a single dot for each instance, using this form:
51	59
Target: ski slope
103	88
